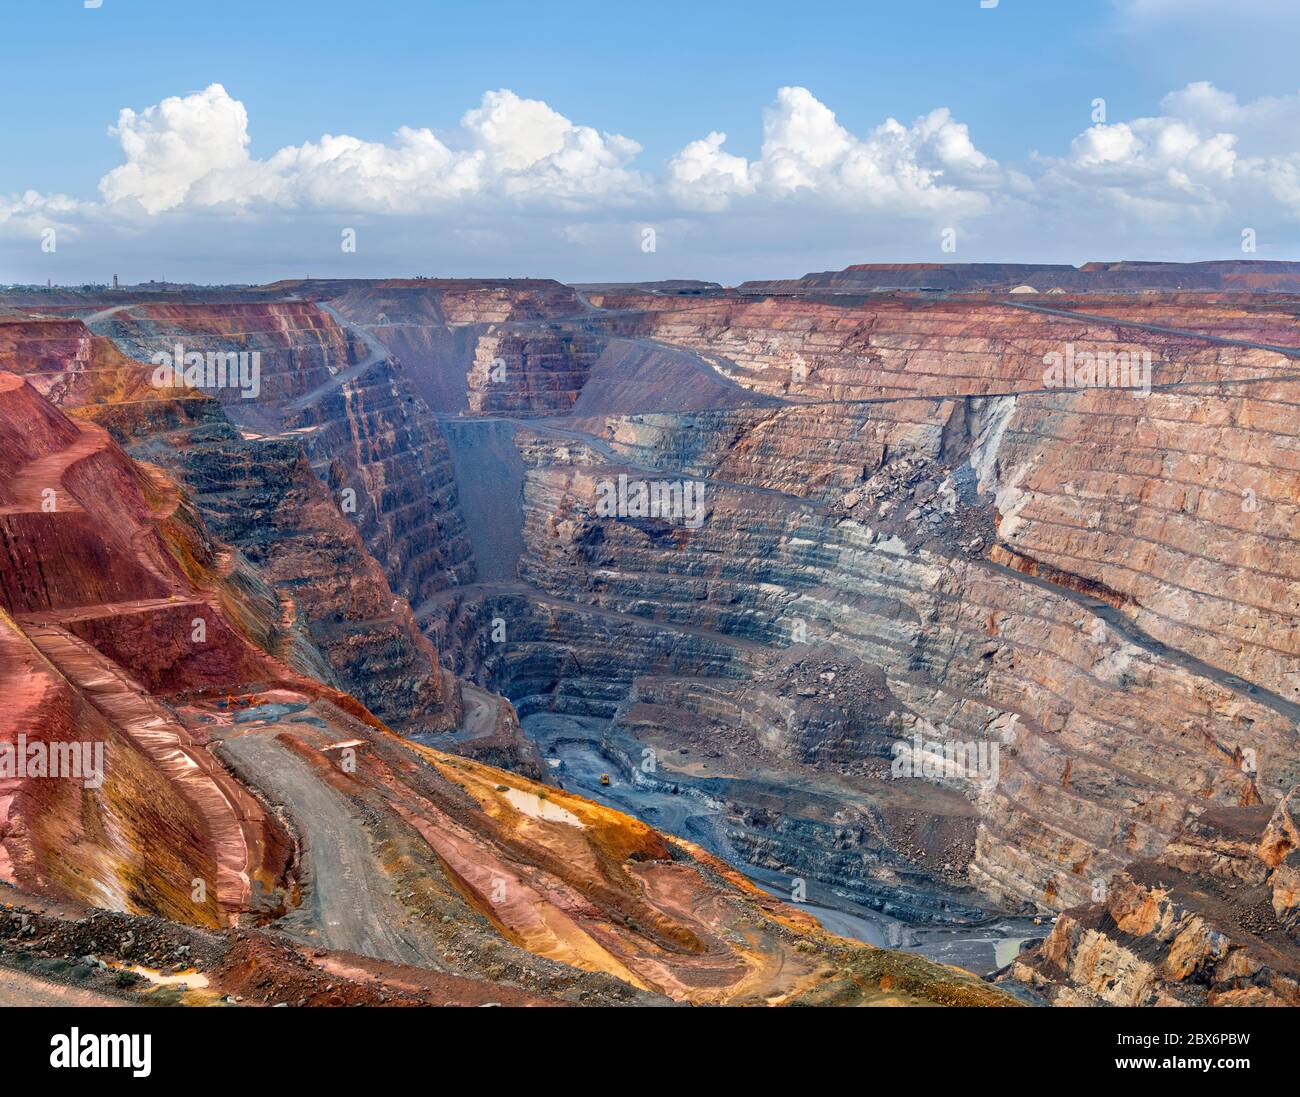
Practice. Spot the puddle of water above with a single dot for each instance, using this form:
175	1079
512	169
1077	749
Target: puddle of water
272	711
1008	949
533	805
193	980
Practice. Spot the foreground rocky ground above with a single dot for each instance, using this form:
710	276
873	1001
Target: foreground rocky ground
907	536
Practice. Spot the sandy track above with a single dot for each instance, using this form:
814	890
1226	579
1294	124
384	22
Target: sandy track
482	710
18	989
378	353
348	904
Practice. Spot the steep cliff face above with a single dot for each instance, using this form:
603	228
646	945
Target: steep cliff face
299	345
1211	921
484	346
1016	557
1184	504
537	372
112	592
336	391
1080	706
125	624
832	349
260	495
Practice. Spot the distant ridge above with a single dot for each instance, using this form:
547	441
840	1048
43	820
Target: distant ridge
1096	277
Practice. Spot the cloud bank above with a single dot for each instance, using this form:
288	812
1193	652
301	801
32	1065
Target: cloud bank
192	152
517	177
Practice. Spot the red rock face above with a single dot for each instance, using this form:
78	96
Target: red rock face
300	345
73	496
100	573
263	495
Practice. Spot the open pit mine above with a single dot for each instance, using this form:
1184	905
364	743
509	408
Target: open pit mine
901	635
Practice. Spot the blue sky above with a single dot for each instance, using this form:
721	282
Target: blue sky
1020	78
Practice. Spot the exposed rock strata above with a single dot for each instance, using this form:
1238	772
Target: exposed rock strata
379	856
1097	582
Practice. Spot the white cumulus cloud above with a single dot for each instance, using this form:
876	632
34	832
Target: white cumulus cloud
175	151
192	152
930	167
518	187
1206	156
29	214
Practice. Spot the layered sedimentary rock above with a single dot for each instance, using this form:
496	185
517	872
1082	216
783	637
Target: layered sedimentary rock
112	592
1045	535
124	622
933	455
334	389
487	346
969	646
538	372
1211	921
260	495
